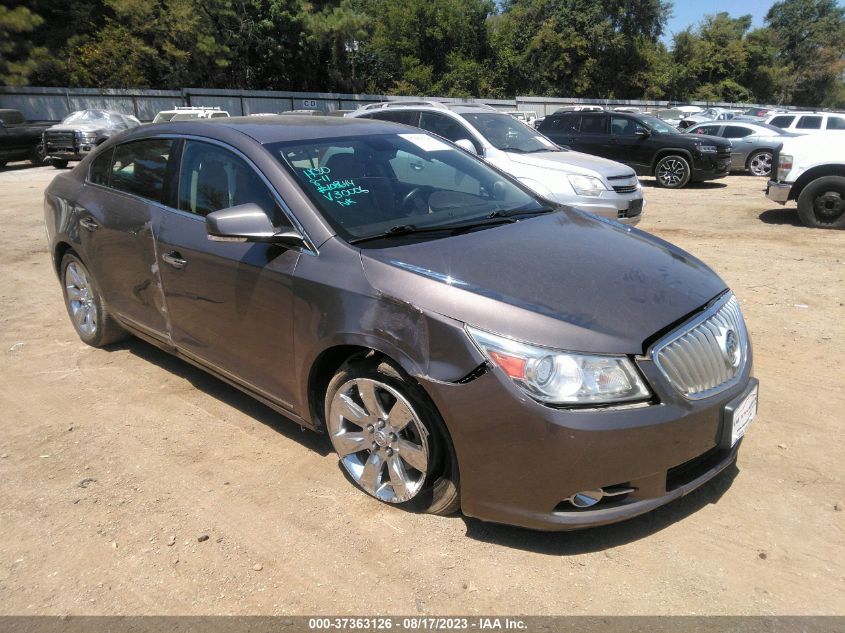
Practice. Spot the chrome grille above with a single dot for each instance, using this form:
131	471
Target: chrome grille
60	141
696	359
624	188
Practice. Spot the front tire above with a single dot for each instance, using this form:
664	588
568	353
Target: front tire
38	156
672	172
59	164
760	163
390	438
821	204
85	306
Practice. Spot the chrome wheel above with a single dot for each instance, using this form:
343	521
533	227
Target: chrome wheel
672	172
761	164
80	299
381	441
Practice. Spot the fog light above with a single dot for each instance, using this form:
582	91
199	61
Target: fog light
586	498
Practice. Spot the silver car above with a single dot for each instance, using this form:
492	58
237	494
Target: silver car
753	144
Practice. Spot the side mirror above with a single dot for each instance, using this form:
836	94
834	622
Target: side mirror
642	132
465	143
248	223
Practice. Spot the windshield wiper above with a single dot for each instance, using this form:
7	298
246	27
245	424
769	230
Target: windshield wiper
514	212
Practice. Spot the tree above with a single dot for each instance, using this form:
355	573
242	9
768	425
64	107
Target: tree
809	36
17	55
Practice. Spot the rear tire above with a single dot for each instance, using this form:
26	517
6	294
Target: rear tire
59	164
821	204
672	172
85	306
390	438
760	163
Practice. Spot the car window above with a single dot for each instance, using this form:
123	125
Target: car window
139	167
406	117
624	126
712	130
809	123
507	134
101	168
213	178
782	121
835	123
365	185
737	131
593	124
446	127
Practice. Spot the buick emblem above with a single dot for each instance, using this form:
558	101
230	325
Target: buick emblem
729	344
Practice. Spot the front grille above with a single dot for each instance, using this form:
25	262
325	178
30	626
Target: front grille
707	354
629	185
624	188
60	141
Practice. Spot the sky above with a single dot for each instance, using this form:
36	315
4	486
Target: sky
691	12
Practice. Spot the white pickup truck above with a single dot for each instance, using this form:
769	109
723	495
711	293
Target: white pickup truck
811	170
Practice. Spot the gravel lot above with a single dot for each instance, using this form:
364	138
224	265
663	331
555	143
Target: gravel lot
114	462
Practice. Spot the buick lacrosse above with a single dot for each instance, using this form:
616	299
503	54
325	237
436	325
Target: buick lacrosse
464	343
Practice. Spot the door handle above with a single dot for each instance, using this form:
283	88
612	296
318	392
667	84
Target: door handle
88	223
175	259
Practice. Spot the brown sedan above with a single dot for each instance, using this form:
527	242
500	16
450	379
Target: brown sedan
463	343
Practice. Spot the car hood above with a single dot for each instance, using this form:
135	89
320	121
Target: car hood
573	163
566	280
82	127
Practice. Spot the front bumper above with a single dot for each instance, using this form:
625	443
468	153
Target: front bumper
626	208
520	460
68	154
710	167
778	191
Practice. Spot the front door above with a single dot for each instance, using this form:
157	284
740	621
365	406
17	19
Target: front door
628	142
230	304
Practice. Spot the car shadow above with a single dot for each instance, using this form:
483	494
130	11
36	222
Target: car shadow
606	537
20	166
709	184
227	394
783	216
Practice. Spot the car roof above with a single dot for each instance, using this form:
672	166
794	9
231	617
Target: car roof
274	129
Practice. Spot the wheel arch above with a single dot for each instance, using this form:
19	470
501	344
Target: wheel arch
60	250
813	174
326	364
662	153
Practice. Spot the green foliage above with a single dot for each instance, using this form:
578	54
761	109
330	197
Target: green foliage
17	54
494	48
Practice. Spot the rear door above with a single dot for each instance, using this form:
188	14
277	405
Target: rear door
590	134
230	304
121	205
742	143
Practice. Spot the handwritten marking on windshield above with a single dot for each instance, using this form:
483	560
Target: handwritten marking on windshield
340	191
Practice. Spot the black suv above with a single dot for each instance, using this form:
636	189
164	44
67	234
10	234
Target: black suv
647	144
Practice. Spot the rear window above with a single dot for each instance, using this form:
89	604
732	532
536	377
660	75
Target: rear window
835	123
139	167
809	123
783	121
736	131
593	124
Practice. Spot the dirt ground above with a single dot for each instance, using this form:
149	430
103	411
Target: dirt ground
106	455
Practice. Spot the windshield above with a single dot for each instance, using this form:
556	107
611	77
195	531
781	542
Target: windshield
507	134
657	125
89	116
367	185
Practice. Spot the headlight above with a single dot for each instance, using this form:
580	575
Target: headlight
587	185
706	149
784	166
559	377
86	137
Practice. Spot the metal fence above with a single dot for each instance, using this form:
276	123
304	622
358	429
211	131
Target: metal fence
53	104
